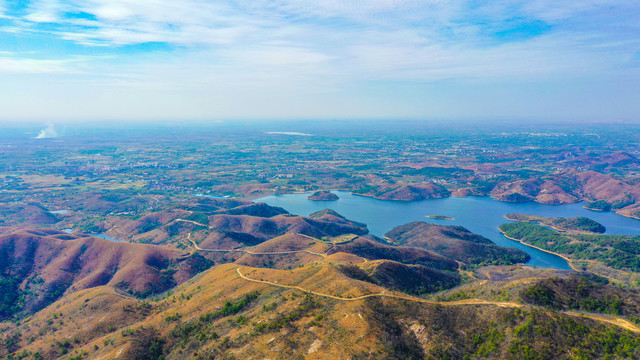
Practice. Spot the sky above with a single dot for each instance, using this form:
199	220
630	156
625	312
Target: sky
123	60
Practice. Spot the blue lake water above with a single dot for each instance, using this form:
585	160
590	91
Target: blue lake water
106	237
101	236
481	215
212	196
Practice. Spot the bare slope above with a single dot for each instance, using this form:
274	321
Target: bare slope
313	312
39	266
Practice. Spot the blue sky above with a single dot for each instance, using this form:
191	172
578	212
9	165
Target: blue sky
85	60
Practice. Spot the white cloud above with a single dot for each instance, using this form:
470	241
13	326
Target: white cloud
121	22
20	63
279	56
375	40
186	22
45	11
262	48
32	66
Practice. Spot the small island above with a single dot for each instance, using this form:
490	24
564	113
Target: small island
576	224
323	196
440	217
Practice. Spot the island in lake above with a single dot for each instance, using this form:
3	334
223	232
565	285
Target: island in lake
323	196
440	217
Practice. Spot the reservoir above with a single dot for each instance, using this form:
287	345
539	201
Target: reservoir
481	215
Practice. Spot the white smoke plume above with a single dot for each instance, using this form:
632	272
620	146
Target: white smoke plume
47	133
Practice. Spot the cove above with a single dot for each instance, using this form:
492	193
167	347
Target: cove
481	215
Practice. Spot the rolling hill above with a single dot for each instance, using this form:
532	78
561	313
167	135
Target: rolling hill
455	242
39	266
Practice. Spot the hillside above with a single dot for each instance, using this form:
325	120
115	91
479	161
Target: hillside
39	266
313	312
455	242
542	191
602	191
369	248
585	292
410	279
408	192
26	215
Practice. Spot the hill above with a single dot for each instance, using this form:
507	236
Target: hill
26	215
39	266
292	250
579	224
455	242
404	192
583	292
410	279
313	312
224	224
602	191
323	196
543	191
370	249
333	294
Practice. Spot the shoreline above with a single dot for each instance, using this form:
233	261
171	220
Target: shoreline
629	216
569	261
594	209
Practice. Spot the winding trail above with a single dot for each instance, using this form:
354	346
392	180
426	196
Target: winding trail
195	246
611	320
385	294
614	320
308	291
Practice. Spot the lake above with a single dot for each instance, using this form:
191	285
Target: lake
101	236
481	215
